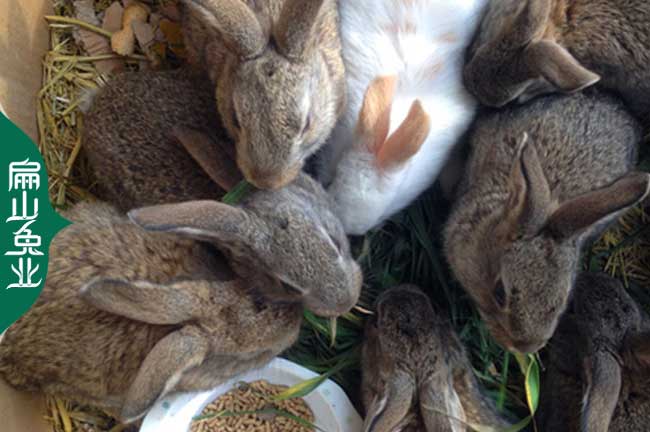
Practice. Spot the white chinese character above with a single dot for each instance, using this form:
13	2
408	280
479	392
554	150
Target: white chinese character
24	175
23	238
24	216
21	273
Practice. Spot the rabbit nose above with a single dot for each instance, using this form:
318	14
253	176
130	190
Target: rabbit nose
267	180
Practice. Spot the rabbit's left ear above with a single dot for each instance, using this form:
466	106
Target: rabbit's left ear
440	405
294	31
407	140
145	301
603	377
389	410
216	158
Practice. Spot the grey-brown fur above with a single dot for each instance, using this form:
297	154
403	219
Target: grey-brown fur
598	366
129	138
129	314
541	180
204	318
279	77
416	374
529	47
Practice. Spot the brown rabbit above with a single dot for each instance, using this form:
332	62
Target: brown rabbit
597	377
129	315
528	47
279	77
542	179
416	374
149	135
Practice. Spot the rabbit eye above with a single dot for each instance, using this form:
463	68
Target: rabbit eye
500	294
283	223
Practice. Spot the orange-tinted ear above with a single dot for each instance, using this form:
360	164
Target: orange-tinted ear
406	140
374	116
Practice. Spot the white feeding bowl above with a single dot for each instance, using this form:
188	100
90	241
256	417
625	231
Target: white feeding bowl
333	411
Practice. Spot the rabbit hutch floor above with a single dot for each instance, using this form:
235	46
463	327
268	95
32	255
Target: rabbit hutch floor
407	249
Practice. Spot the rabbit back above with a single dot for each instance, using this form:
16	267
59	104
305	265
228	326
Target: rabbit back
101	242
68	348
130	143
585	141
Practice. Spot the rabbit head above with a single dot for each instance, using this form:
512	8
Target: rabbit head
416	374
513	58
367	175
279	91
604	342
289	233
519	263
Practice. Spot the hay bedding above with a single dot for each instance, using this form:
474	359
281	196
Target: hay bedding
406	250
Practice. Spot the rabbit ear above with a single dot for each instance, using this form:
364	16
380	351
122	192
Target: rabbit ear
238	25
162	369
204	220
558	67
295	28
603	375
531	22
407	140
479	409
440	405
390	409
637	349
581	212
216	158
143	301
374	116
529	198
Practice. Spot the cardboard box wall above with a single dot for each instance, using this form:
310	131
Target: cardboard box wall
23	42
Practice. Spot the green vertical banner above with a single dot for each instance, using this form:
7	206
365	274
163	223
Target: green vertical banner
28	223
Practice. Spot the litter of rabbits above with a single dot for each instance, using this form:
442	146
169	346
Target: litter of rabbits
235	411
407	249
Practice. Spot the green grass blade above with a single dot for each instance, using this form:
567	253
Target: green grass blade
302	389
237	193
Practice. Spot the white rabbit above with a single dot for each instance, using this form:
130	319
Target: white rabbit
407	106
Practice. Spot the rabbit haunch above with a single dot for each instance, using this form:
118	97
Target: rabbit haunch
130	314
416	373
407	107
598	365
542	179
278	73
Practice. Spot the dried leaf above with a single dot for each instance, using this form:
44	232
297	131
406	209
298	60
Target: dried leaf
93	43
144	34
173	36
113	17
171	11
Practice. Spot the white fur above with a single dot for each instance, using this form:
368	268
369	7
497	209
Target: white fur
364	196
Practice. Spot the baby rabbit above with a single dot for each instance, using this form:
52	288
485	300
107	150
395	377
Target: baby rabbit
130	315
526	48
278	73
598	369
541	180
154	137
416	374
407	106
